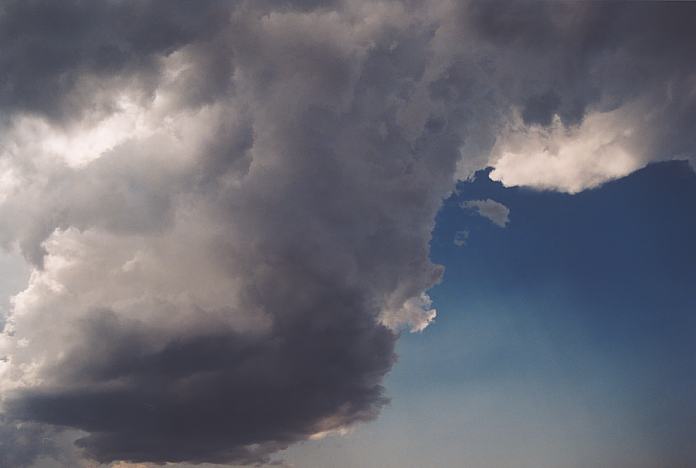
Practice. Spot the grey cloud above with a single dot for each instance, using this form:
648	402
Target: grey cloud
494	211
56	57
460	238
573	56
540	109
213	397
290	209
22	443
219	286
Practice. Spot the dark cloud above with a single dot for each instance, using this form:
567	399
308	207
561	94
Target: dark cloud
56	57
211	397
289	206
541	108
590	54
22	443
228	277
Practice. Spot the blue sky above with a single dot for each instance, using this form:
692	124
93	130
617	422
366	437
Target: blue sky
220	221
567	338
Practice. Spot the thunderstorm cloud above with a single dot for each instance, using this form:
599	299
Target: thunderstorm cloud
226	206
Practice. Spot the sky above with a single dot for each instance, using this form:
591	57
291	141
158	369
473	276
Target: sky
566	338
347	233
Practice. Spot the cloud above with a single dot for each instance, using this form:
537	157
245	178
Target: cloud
460	238
22	443
602	148
65	60
597	90
227	206
29	444
494	211
228	278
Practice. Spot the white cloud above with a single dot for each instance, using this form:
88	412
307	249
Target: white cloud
415	312
269	182
568	159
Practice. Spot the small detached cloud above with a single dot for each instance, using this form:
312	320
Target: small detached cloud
460	238
197	293
496	212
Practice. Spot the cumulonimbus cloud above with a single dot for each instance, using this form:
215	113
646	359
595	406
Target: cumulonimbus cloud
227	205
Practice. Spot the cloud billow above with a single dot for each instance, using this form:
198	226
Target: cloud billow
228	205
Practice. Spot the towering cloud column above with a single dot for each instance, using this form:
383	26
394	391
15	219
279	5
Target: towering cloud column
227	205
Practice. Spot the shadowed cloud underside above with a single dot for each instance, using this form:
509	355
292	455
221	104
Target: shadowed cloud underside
227	206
